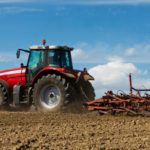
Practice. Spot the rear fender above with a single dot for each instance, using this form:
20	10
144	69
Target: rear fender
51	71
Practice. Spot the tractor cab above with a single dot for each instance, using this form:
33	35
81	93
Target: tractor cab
44	56
53	56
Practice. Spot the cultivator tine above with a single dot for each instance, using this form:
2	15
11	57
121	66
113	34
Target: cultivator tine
131	111
101	112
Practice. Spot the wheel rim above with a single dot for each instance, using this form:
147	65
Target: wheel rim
50	96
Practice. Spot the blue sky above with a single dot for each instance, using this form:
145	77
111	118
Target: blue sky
105	34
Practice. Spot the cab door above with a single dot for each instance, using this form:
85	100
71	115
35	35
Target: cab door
36	63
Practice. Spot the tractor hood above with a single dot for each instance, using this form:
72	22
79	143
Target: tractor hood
13	76
12	72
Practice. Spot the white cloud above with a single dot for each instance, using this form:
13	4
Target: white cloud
130	51
92	53
115	59
112	74
99	52
81	2
138	53
79	54
118	1
6	58
108	2
14	1
11	10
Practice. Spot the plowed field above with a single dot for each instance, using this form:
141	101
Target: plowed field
66	131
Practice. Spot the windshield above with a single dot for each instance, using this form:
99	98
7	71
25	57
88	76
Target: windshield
59	58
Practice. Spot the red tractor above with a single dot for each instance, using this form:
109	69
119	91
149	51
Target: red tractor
48	81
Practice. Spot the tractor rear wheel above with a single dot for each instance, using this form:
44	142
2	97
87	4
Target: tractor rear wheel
88	91
50	93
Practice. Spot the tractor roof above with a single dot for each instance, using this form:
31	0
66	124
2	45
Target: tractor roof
42	47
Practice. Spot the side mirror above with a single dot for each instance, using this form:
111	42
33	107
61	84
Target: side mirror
18	53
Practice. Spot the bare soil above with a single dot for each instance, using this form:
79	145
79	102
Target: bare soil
66	131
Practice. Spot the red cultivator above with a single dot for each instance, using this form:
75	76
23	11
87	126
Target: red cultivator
135	104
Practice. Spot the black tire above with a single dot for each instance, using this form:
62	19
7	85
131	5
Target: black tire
50	93
3	95
88	91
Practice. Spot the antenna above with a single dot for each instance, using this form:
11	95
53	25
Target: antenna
44	42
